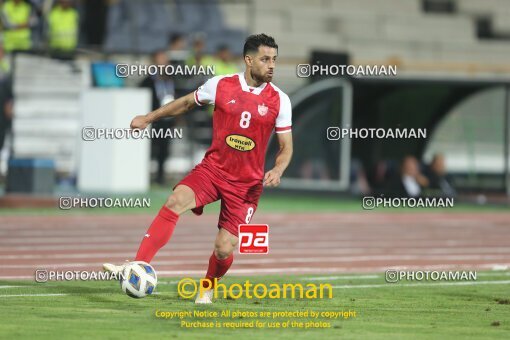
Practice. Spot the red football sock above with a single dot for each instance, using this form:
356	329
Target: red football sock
217	267
157	235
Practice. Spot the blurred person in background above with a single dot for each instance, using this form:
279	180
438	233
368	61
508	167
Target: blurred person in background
177	53
197	52
382	172
95	14
314	168
63	23
410	182
163	92
436	174
223	61
6	111
38	25
177	49
5	66
17	18
358	182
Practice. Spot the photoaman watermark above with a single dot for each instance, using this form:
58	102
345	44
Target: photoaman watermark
188	288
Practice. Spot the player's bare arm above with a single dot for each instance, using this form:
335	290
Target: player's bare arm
172	109
272	177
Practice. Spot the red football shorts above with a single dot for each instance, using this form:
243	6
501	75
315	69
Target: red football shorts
238	201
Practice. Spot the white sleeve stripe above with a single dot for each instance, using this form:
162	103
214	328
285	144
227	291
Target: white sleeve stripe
284	131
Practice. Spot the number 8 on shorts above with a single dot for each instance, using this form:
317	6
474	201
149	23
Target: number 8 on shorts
249	215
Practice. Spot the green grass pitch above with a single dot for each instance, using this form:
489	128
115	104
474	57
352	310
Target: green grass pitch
425	310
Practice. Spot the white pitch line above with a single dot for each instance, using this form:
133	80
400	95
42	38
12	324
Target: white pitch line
283	271
195	246
5	287
308	270
118	245
330	259
349	277
163	254
467	283
22	295
317	278
495	273
232	271
353	259
305	270
330	242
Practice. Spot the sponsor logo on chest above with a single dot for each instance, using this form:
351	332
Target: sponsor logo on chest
240	143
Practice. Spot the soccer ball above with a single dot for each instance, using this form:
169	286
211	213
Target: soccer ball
138	279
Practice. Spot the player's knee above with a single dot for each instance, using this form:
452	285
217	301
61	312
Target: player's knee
223	253
176	204
223	249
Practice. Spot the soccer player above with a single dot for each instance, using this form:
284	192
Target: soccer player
247	108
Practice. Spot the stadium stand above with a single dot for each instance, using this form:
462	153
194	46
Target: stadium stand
131	29
402	32
47	109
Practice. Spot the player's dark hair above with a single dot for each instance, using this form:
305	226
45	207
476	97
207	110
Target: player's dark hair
254	41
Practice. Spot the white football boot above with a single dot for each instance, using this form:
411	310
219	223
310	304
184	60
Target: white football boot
206	297
114	269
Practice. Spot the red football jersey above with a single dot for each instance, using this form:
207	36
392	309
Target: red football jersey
243	120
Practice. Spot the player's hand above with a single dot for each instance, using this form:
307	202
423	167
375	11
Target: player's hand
139	122
272	178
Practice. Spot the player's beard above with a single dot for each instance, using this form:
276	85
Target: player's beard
261	78
269	77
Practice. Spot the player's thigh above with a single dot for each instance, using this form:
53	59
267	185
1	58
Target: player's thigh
194	191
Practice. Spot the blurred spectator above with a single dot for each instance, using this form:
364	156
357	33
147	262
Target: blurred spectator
314	168
358	179
94	20
176	55
223	61
410	182
6	114
436	174
177	49
17	19
38	25
381	174
63	28
163	91
5	67
197	52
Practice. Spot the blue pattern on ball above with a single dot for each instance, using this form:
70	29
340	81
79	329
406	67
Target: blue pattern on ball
148	269
134	280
